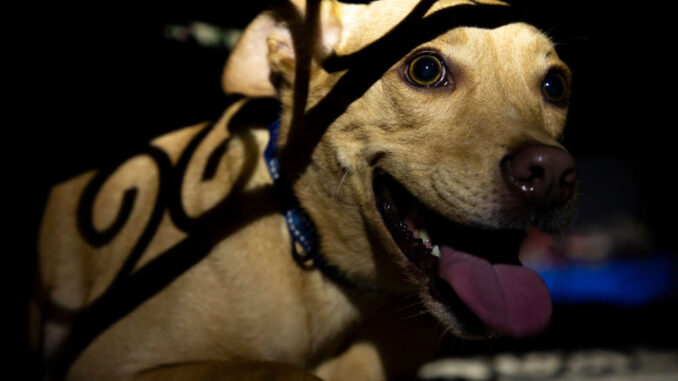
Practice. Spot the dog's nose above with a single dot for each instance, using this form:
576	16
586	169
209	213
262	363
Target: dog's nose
541	175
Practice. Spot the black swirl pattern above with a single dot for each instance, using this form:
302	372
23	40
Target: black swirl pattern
128	291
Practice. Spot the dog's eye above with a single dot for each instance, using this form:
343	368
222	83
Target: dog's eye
426	70
554	87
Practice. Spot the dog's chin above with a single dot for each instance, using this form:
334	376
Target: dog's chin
470	277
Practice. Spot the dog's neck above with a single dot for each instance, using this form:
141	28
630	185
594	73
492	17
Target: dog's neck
303	236
302	230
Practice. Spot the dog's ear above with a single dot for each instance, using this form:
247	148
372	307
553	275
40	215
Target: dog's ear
247	70
267	50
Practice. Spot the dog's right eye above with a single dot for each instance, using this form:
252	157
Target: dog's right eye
426	70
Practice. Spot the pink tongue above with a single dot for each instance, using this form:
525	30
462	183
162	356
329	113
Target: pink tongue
510	299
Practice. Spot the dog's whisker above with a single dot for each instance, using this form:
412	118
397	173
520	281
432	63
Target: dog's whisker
415	315
341	182
418	303
571	40
446	331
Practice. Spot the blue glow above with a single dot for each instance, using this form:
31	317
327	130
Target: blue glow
628	282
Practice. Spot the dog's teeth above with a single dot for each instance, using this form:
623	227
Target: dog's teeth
423	234
436	251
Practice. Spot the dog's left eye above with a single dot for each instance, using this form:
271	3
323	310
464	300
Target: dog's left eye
554	87
426	70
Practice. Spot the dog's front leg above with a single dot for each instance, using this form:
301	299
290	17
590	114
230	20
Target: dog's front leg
231	370
390	346
361	361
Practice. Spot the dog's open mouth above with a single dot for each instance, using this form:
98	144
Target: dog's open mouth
473	267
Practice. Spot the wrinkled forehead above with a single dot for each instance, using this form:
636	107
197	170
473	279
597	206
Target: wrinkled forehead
506	41
412	22
521	49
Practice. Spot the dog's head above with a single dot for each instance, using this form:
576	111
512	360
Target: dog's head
421	146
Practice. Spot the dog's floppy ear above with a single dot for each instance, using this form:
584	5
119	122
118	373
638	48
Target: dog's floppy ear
268	48
248	70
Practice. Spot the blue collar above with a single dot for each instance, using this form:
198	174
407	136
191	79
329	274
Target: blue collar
305	248
301	227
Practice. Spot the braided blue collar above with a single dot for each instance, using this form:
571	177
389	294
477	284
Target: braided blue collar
301	227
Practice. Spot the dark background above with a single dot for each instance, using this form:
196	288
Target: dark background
101	81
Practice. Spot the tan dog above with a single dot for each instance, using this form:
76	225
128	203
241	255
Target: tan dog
420	147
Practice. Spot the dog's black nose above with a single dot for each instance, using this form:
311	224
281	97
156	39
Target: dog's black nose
542	176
